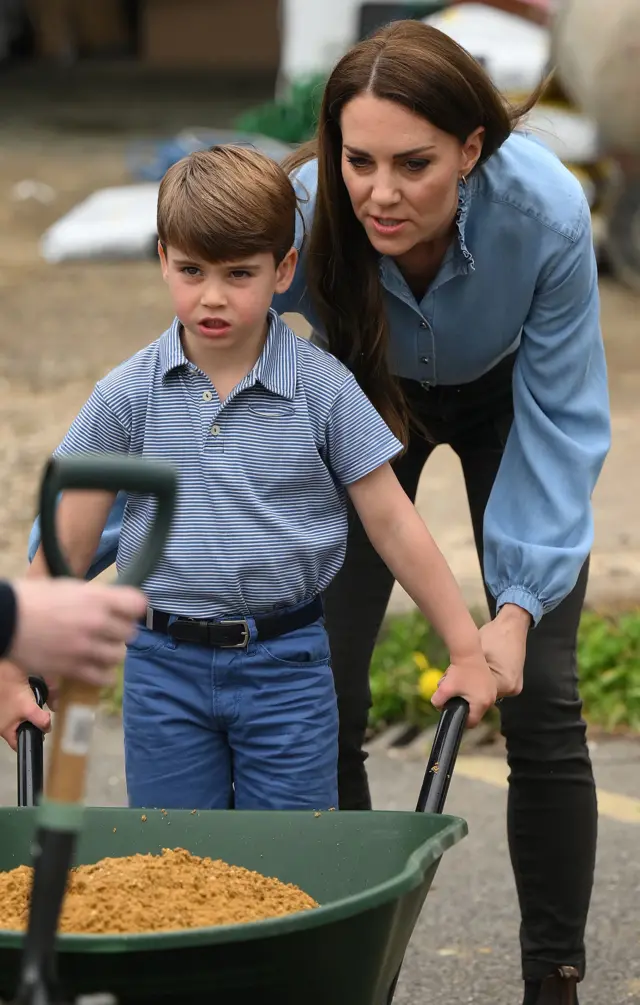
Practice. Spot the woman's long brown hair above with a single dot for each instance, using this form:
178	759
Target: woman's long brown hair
424	70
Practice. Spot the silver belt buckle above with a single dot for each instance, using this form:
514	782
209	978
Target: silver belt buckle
149	619
245	637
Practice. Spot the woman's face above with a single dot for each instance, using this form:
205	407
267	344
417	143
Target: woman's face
402	173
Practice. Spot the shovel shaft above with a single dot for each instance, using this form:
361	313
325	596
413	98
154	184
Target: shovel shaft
75	714
77	702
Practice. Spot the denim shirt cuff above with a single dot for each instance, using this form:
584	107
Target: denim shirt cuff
521	597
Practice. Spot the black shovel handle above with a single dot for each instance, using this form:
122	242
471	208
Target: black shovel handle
109	473
30	752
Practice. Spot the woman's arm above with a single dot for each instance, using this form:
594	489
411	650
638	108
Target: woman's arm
538	528
538	523
403	541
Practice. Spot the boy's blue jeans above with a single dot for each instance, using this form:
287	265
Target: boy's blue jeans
253	728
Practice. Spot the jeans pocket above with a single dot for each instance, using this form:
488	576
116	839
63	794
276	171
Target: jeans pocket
146	641
306	647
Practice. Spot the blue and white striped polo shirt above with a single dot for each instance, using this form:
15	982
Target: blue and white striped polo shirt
261	519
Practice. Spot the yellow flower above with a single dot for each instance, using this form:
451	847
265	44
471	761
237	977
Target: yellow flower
421	661
428	683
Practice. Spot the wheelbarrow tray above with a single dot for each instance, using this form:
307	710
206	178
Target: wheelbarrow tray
369	871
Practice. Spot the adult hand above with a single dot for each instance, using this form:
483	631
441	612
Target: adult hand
17	704
504	643
74	629
471	679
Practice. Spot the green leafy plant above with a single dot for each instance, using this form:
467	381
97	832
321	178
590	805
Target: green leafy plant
292	119
609	669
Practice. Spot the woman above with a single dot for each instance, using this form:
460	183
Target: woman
448	261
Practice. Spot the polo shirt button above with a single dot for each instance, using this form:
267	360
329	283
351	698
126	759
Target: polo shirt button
215	430
207	396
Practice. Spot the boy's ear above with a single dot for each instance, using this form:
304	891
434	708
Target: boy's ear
164	265
286	270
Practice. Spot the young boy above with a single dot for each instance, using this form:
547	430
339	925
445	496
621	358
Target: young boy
229	695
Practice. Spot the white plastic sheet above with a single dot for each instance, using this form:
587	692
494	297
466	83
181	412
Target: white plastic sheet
113	223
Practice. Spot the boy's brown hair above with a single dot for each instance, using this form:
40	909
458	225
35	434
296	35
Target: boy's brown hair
226	203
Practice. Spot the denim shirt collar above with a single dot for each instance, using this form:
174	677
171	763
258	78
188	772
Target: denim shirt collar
466	190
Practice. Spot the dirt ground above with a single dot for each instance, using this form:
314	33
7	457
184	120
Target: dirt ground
64	326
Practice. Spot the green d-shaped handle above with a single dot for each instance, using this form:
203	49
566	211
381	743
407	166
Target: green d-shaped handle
109	473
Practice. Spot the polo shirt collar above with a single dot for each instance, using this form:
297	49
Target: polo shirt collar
276	369
171	352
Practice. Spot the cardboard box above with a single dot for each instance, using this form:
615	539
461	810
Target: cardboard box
220	34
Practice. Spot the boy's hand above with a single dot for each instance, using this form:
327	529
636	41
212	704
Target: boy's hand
471	679
18	704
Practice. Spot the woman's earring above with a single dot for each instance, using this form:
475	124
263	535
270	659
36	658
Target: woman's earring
463	179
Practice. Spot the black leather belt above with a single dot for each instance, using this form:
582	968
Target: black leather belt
232	634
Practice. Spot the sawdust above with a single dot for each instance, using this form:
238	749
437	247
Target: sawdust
155	893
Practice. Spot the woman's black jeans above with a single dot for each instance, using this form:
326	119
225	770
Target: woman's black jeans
552	814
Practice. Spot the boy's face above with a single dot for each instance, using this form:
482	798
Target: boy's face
224	303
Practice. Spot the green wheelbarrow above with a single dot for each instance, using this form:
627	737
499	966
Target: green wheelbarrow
369	871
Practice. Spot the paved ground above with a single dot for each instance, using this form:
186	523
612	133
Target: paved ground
465	946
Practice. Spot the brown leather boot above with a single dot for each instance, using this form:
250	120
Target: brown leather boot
559	988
